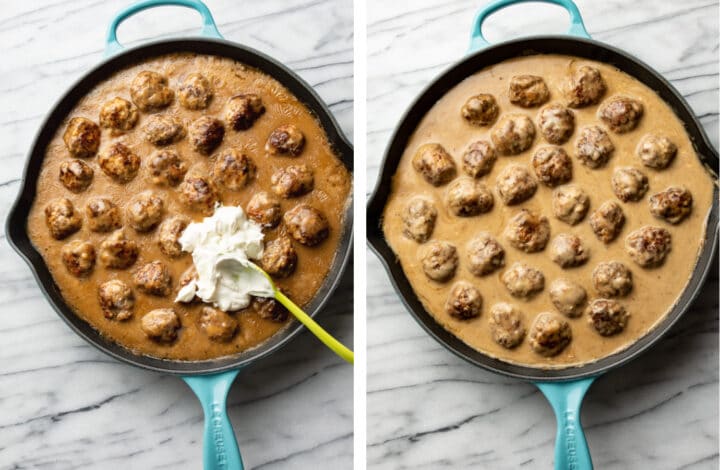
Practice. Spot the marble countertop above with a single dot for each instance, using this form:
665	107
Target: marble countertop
64	405
427	409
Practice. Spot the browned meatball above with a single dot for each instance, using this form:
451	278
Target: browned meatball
269	309
286	140
79	257
233	169
479	158
153	278
199	193
528	231
568	250
145	211
648	246
119	162
195	92
419	219
485	254
116	300
162	130
292	181
570	204
434	164
523	281
480	110
169	233
206	134
264	208
568	297
464	301
102	215
188	276
167	168
593	147
150	91
607	316
629	184
217	325
82	137
506	325
607	221
513	134
76	175
621	114
306	225
161	325
515	184
549	334
656	151
672	205
118	115
612	279
439	260
584	88
556	123
61	218
528	91
117	251
243	110
279	257
552	165
467	197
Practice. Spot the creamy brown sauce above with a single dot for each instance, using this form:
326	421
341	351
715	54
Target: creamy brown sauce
227	78
655	291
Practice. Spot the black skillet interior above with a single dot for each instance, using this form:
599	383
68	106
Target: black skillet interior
17	219
455	74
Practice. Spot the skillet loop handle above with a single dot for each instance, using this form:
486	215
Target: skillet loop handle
571	448
478	41
220	448
209	28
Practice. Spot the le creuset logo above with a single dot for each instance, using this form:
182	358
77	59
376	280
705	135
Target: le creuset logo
218	436
570	443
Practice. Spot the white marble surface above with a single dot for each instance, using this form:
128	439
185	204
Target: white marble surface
428	409
64	405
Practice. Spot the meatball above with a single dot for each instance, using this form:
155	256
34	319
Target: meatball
117	251
439	260
593	147
119	163
167	168
607	221
568	250
523	281
570	204
467	197
549	334
629	184
584	88
118	115
76	175
419	219
506	325
145	211
656	151
306	225
79	257
102	215
206	134
153	278
195	92
82	137
485	254
61	218
161	325
264	208
199	193
480	110
612	279
464	301
672	205
150	91
233	169
528	231
162	130
552	165
188	276
648	246
286	140
513	134
568	297
116	300
607	316
279	257
515	184
556	123
434	164
479	158
621	114
269	309
217	325
169	233
292	181
243	110
528	91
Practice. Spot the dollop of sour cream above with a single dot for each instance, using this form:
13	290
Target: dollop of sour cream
222	248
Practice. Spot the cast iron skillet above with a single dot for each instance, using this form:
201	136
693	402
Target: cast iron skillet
210	379
564	388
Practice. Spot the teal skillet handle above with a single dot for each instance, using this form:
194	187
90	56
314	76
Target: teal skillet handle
478	41
209	29
571	448
220	448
